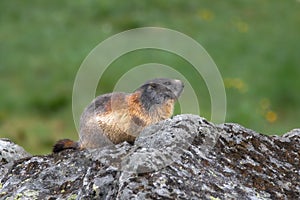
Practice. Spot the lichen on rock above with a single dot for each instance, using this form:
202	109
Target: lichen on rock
185	157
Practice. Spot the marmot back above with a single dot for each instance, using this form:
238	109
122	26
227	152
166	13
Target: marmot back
117	117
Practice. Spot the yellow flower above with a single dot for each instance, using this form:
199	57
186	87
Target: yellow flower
206	14
236	83
265	109
271	116
240	25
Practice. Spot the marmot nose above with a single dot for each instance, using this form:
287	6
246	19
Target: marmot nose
177	87
179	82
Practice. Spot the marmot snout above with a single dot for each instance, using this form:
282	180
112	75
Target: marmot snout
116	117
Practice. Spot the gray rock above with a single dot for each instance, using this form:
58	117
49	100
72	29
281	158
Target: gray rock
9	152
185	157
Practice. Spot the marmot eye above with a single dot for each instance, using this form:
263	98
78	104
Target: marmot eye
152	86
167	83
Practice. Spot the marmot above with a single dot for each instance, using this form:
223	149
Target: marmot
118	117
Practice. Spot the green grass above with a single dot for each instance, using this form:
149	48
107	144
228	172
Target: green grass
255	45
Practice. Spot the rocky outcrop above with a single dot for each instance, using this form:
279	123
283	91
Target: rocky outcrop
185	157
9	152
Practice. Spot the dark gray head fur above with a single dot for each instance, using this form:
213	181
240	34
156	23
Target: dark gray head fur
158	91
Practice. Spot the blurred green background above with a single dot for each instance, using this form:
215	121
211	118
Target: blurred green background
255	45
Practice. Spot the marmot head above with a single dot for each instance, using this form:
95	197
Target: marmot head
158	92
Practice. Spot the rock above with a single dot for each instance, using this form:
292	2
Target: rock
186	157
9	152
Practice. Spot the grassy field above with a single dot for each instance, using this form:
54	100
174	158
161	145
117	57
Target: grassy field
255	45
